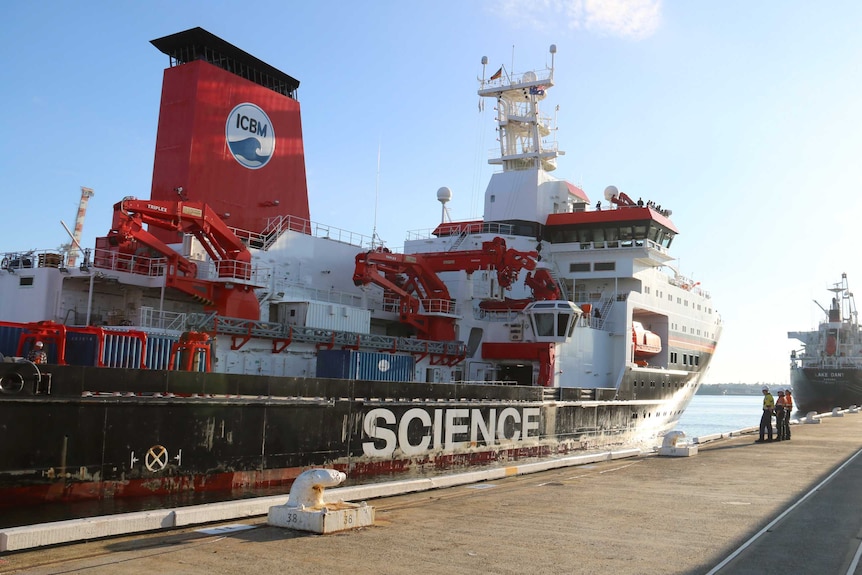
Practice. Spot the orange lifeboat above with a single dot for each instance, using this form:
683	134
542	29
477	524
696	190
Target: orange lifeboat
831	345
646	343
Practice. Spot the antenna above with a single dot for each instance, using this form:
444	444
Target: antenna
374	236
444	194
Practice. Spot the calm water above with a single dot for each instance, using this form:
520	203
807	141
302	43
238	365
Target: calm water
708	414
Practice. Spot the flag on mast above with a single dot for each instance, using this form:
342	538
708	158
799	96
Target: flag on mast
498	74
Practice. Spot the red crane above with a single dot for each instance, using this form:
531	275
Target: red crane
424	300
231	295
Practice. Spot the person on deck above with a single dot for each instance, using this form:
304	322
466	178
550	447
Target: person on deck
788	409
766	418
37	354
780	415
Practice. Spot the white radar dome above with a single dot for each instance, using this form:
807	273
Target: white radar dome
610	192
530	77
444	194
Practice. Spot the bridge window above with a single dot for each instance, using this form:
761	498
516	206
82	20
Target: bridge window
544	323
562	324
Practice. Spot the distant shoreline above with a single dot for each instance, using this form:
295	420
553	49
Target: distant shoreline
736	388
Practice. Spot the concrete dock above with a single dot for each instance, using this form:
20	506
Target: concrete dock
735	507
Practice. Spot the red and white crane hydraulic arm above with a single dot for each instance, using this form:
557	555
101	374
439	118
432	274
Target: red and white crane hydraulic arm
424	300
227	296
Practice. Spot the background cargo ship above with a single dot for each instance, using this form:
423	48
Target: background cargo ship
189	354
827	372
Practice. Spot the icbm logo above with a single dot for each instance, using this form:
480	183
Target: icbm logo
250	136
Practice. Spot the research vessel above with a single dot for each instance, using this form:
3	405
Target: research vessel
827	372
218	339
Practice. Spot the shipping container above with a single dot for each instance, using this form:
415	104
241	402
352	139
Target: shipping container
158	354
367	365
322	315
9	336
82	348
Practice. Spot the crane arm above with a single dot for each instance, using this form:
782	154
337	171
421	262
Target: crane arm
413	279
231	257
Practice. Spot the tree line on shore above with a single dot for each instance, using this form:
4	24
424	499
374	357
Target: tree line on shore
738	388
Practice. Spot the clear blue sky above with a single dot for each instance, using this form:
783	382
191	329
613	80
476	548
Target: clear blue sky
742	117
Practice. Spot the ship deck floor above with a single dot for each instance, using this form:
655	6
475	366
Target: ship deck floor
735	507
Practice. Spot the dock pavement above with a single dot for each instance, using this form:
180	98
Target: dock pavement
736	507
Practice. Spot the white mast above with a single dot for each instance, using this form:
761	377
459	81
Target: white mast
520	127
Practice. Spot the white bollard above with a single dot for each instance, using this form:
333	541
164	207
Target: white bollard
306	510
670	446
837	412
811	417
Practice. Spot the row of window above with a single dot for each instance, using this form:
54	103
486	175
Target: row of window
692	331
659	294
687	359
653	384
596	267
611	233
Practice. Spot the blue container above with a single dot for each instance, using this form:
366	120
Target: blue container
365	365
158	354
9	337
82	348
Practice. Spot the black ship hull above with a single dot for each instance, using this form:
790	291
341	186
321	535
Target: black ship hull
78	433
824	389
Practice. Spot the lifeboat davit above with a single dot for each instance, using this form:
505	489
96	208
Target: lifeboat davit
646	343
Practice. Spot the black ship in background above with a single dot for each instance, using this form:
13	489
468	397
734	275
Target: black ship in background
827	372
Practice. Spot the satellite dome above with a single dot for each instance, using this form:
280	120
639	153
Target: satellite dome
530	77
610	192
444	194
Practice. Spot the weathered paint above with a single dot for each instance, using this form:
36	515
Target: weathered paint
101	433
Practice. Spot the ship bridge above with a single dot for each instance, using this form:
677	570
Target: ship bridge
627	227
552	321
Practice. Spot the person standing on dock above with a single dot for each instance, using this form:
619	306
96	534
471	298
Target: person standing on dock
788	409
780	415
766	418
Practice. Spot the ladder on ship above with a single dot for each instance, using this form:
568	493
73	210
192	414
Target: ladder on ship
604	311
461	237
